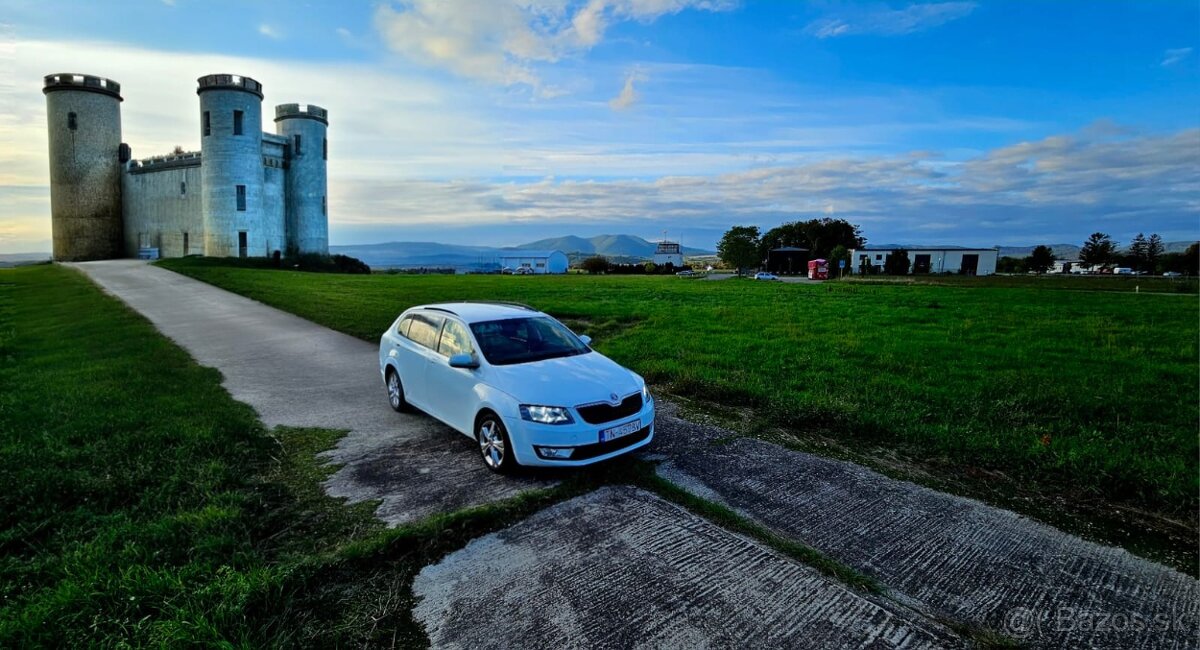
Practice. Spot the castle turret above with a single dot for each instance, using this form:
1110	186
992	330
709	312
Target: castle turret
84	120
307	181
232	167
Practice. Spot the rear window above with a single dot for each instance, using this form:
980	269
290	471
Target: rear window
424	329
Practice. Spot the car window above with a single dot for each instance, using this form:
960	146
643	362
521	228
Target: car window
402	327
454	340
424	329
522	340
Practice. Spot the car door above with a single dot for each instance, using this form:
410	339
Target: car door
414	350
451	391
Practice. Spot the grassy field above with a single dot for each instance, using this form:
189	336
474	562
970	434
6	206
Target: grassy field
1085	394
142	506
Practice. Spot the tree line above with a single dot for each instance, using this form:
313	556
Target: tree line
1144	255
745	247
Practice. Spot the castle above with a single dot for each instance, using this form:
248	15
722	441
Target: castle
246	193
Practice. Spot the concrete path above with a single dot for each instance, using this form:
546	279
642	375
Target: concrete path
964	560
299	374
621	568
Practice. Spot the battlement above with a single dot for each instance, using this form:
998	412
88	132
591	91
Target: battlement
168	161
84	82
309	111
229	82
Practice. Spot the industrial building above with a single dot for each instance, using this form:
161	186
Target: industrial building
787	260
245	193
536	262
943	259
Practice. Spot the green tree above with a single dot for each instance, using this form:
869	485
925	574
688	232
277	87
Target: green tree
839	254
1098	250
819	236
595	264
1009	264
739	247
1040	260
1191	259
1154	250
897	263
1137	251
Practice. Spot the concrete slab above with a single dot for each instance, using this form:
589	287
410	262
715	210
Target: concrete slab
297	373
621	568
964	559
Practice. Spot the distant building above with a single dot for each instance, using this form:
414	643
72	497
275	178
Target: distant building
246	193
787	259
668	252
944	259
538	262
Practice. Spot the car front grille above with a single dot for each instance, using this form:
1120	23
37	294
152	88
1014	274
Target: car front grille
601	413
600	448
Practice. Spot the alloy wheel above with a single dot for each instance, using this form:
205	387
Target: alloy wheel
491	444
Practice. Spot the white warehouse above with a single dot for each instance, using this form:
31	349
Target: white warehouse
538	262
943	259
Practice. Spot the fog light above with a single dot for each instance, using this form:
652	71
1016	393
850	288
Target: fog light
554	453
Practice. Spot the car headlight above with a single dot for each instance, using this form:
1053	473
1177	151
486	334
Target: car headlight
546	414
647	398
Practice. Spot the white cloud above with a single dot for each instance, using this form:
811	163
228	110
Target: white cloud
503	41
628	95
1173	56
883	20
270	32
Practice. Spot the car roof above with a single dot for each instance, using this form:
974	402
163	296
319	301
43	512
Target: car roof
477	312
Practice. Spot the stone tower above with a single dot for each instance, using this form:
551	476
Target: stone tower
307	199
232	165
84	125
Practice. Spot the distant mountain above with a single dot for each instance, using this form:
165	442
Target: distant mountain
8	260
619	248
606	245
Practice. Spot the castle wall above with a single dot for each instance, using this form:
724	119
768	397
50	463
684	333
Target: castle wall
307	184
84	128
163	209
274	211
232	160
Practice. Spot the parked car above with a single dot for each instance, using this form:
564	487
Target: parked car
686	273
523	270
1172	274
765	276
1121	270
518	382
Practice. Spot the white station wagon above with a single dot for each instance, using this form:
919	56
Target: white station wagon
518	382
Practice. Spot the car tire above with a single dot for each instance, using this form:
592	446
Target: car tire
395	391
495	447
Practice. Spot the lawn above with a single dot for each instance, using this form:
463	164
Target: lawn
142	506
1089	394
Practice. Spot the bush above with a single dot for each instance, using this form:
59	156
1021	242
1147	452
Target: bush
317	263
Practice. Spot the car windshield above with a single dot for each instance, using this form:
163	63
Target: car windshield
522	340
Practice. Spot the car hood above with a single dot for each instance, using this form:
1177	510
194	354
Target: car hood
566	381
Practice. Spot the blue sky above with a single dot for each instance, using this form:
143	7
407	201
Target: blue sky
498	121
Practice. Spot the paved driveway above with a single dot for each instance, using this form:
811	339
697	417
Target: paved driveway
299	374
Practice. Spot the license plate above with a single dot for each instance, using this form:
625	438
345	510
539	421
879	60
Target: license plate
621	431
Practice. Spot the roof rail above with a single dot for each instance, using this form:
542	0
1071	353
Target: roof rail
441	309
504	303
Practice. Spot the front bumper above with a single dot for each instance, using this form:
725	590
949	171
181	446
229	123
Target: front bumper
582	438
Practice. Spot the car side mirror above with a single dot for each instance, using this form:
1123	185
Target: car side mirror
463	361
587	340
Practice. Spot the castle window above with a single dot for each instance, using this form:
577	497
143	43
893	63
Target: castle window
241	198
324	148
297	145
237	122
207	124
183	187
324	206
71	123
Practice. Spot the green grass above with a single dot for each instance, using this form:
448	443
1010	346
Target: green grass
1087	394
143	506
